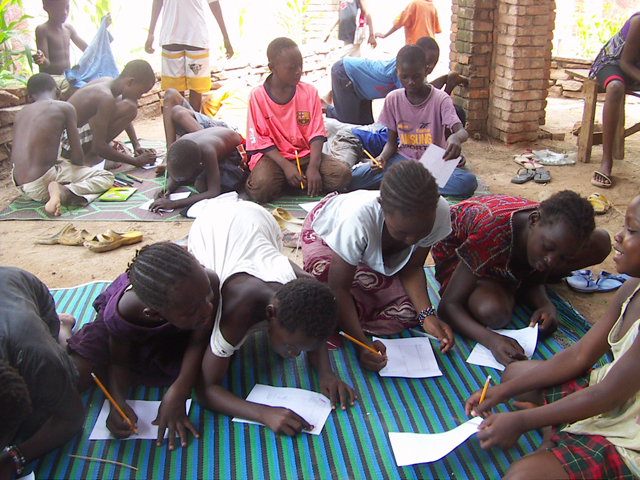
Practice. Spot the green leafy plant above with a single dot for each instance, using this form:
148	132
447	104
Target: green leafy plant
294	19
100	9
593	32
13	63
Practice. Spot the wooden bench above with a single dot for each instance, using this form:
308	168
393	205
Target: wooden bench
586	138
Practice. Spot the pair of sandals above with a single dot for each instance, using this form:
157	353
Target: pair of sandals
538	175
586	282
104	242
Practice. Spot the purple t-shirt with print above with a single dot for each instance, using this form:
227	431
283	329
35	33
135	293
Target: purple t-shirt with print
418	126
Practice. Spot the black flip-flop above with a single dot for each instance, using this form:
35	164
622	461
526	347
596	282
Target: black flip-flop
523	176
542	175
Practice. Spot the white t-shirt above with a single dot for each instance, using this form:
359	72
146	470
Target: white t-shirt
351	225
231	236
184	23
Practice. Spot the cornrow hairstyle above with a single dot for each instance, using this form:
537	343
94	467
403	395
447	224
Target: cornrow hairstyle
140	71
40	83
15	403
411	55
182	153
156	269
572	210
408	187
428	44
277	46
307	304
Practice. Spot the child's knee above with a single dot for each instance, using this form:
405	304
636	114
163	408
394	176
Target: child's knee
601	242
172	97
261	189
493	314
615	90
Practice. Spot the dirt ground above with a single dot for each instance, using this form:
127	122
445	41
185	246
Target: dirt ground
62	266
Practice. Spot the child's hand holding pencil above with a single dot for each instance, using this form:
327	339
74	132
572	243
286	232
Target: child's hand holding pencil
375	163
118	426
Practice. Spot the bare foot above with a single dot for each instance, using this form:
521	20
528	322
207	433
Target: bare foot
111	165
54	205
67	322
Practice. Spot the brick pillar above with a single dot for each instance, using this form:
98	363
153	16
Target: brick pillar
504	46
471	52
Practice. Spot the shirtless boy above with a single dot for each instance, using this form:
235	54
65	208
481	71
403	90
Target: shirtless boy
194	160
108	105
37	172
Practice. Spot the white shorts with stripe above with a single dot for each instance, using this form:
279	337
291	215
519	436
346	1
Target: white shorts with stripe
186	70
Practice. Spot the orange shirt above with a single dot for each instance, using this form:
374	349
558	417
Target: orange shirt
419	19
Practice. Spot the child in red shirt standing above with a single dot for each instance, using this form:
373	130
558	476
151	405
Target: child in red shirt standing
285	121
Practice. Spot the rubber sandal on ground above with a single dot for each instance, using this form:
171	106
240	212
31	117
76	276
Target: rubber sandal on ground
600	203
608	282
523	176
582	281
111	240
604	182
69	235
542	176
286	220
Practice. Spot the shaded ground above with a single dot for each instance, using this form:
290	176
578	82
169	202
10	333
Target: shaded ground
62	266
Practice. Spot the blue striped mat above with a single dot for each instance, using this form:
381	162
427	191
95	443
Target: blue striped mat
354	444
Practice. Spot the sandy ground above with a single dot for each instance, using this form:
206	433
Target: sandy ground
63	266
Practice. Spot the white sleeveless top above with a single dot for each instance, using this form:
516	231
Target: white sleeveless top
620	425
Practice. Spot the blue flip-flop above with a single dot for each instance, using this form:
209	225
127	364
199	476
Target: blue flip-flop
607	282
582	281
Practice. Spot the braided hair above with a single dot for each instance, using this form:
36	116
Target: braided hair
408	188
156	269
15	403
307	304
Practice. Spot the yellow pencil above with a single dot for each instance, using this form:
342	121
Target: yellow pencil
484	390
113	402
371	157
299	169
359	342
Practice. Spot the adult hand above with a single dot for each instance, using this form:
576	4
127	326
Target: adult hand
161	204
453	148
334	388
314	182
442	331
117	425
148	46
500	430
146	158
228	48
294	178
284	421
172	415
547	317
372	361
506	350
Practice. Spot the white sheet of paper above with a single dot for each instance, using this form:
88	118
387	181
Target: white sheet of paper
154	164
99	165
313	407
172	196
527	338
410	358
146	410
439	168
412	448
307	207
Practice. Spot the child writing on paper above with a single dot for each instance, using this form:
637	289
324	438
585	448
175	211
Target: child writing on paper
418	115
152	327
502	249
284	127
600	406
370	247
260	288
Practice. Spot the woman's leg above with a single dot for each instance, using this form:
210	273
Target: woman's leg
614	96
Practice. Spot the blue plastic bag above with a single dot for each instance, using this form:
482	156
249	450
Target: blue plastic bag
97	60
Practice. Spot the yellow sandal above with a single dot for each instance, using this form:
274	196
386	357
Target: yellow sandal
111	240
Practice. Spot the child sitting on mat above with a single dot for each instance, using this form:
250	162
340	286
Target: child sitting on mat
285	132
152	328
261	289
600	406
370	247
502	249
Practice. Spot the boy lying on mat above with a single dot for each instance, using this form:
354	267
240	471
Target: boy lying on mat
261	289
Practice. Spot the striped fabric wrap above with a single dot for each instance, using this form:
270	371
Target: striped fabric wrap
353	444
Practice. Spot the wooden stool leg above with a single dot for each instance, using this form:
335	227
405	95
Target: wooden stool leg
585	139
618	138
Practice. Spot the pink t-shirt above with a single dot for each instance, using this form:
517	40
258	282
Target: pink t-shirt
418	126
287	127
